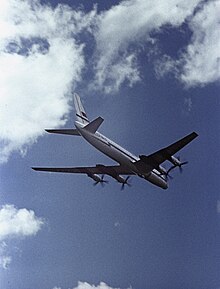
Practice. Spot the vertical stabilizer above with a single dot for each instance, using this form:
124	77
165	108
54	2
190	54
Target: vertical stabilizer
80	111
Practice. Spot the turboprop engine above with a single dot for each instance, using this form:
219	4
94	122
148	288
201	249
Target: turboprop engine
97	179
121	180
176	163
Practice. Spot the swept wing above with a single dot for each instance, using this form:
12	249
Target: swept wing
152	161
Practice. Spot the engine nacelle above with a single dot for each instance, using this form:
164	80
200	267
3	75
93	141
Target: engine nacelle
95	177
175	161
120	179
162	170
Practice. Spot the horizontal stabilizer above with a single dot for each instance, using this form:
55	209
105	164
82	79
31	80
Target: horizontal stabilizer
94	125
63	131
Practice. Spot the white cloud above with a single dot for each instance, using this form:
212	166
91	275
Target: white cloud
199	64
128	23
110	77
40	63
18	222
85	285
5	261
165	65
15	223
202	57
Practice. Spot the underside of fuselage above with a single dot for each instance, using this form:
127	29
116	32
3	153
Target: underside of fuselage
120	155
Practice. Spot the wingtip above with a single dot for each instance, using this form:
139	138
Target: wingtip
50	130
35	169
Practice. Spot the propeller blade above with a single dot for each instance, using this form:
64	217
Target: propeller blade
179	166
101	181
125	183
170	169
169	177
182	164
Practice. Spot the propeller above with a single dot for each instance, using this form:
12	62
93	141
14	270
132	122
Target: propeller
125	183
101	181
181	164
166	174
177	165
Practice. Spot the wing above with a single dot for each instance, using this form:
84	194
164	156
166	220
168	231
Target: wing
154	160
98	169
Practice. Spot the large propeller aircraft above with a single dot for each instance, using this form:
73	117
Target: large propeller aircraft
147	167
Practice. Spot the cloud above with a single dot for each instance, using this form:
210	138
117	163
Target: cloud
202	57
42	56
41	61
15	223
199	63
18	222
5	260
128	24
110	77
85	285
166	65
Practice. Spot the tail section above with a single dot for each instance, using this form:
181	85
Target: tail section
80	111
94	125
82	118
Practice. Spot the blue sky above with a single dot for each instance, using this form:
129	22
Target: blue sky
151	70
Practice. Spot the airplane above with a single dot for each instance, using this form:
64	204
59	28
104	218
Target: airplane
147	167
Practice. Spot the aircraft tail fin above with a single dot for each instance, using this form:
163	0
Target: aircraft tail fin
80	111
94	125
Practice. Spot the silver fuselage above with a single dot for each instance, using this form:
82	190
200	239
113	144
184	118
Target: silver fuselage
120	155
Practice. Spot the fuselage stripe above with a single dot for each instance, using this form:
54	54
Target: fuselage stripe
86	119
